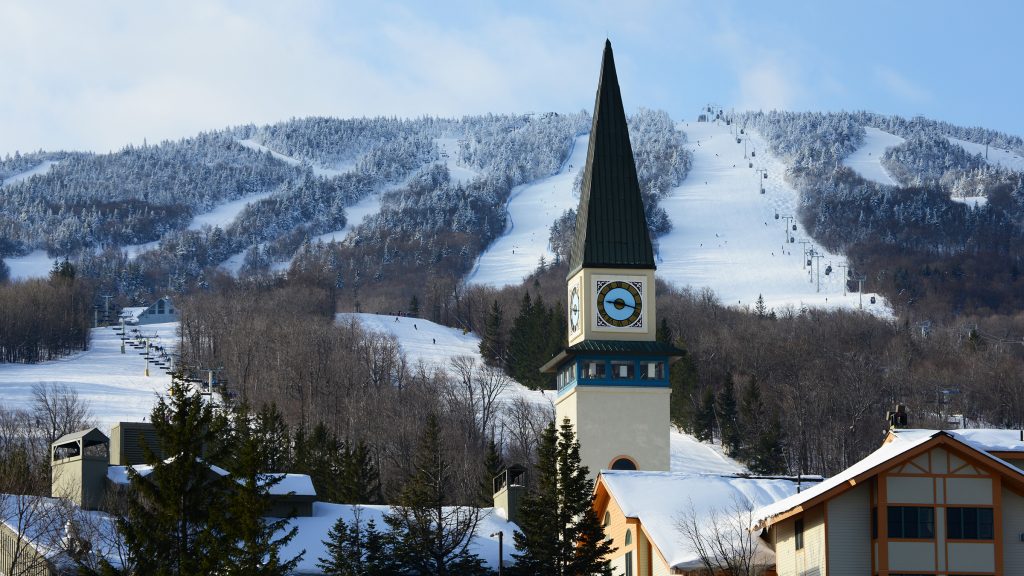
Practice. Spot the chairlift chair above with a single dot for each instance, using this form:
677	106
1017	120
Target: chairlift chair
776	215
751	165
794	227
872	299
762	190
765	174
828	270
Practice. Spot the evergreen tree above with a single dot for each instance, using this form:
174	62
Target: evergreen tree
319	456
272	431
760	309
432	536
493	465
704	419
727	421
664	333
167	527
683	379
560	535
359	477
523	343
414	306
251	542
492	345
357	550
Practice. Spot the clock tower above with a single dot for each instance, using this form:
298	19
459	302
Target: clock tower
613	375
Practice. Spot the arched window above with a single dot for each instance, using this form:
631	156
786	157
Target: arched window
623	464
629	537
607	518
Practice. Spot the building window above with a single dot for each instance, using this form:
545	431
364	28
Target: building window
607	519
593	370
160	306
623	464
622	370
969	524
629	561
911	522
629	537
798	533
652	370
874	523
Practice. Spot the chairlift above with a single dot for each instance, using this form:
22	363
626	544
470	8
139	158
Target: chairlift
794	227
762	190
872	299
809	263
739	140
765	174
792	240
849	273
776	215
752	153
741	130
828	270
751	165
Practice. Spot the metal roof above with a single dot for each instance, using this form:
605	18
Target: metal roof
89	436
612	348
611	229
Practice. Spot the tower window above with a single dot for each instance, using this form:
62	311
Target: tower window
623	464
652	370
622	370
593	369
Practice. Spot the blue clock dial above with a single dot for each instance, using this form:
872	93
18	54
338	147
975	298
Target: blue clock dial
619	304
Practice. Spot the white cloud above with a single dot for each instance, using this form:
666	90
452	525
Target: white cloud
766	86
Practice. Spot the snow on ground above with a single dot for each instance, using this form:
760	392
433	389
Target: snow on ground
725	235
866	160
998	156
326	172
114	384
224	214
35	264
532	208
449	148
132	251
354	215
435	346
975	202
42	168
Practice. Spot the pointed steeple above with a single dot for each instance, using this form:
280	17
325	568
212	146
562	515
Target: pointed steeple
611	229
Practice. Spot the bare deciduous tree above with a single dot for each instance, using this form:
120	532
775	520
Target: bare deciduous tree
723	540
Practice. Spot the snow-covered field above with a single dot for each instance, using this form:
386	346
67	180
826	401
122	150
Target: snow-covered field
532	208
725	234
866	160
114	384
35	264
42	168
997	156
435	346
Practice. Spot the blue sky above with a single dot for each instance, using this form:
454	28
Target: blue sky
98	75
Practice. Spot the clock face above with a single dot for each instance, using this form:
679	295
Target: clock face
619	304
574	309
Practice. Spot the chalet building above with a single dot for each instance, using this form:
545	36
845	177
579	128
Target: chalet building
161	311
926	502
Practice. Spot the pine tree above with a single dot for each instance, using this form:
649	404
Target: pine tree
726	412
432	536
560	535
319	456
273	433
704	420
359	478
493	465
664	332
167	527
251	542
683	379
414	306
357	549
760	309
492	345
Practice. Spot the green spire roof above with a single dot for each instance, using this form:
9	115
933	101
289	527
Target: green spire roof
611	230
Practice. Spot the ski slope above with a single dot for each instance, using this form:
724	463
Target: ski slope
531	208
725	235
114	384
449	149
322	171
996	156
434	346
224	214
35	264
867	160
42	168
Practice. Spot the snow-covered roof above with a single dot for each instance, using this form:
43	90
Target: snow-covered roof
299	484
987	439
901	442
313	530
133	311
119	474
661	499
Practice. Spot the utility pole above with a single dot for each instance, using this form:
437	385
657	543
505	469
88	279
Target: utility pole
106	307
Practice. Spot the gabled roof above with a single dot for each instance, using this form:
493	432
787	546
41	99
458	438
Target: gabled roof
659	500
897	448
611	229
88	437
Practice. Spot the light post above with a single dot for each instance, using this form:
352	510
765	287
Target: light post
501	552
